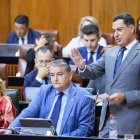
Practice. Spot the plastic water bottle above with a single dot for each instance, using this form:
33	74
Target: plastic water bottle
113	127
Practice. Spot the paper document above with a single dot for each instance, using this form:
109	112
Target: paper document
100	96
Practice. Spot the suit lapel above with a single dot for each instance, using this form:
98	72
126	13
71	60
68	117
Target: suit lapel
16	39
127	61
99	52
30	36
68	108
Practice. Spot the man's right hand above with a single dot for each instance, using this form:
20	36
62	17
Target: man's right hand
77	59
43	72
5	131
40	42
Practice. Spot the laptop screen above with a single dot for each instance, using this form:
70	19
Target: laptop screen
30	93
36	126
9	49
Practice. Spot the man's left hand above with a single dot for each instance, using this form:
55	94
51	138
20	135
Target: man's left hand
116	98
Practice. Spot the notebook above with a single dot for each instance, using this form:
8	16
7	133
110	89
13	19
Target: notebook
30	93
36	126
9	49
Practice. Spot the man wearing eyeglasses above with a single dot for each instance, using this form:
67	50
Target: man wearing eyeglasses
22	33
39	75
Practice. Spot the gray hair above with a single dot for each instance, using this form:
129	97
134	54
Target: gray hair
61	62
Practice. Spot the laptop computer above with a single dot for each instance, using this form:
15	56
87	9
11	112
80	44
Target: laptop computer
9	49
30	93
36	126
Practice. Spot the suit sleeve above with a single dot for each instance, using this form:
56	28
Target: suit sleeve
30	81
85	120
8	40
32	111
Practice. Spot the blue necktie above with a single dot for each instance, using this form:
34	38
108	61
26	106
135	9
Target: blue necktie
90	60
56	109
119	60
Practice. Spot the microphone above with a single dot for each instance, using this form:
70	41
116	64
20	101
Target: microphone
8	131
18	130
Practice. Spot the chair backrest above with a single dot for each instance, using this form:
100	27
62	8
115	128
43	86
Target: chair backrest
109	37
3	73
13	94
76	78
23	50
22	55
54	33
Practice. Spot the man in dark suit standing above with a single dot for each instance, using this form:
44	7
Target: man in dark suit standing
23	34
121	66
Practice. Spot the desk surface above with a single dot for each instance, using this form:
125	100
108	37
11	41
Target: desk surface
29	137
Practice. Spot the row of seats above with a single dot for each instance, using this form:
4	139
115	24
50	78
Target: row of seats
22	63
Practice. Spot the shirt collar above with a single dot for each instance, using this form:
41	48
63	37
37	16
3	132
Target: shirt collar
94	50
129	46
26	35
66	92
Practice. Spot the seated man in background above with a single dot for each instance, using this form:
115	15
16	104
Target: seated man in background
39	76
23	34
78	41
45	39
75	116
92	50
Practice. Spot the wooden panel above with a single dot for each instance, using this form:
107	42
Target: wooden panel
4	19
63	15
105	10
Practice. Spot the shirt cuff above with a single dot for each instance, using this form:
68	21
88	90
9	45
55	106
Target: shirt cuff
39	80
82	70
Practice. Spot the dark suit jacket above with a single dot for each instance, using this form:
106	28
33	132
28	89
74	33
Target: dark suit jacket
84	53
30	81
14	39
30	60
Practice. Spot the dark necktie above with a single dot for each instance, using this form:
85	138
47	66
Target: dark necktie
22	39
90	60
56	109
119	60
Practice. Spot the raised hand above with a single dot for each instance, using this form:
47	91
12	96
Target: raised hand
77	59
40	42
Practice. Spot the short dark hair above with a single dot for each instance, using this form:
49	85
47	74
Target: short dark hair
91	29
61	62
44	49
126	17
22	19
137	29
